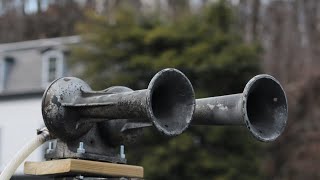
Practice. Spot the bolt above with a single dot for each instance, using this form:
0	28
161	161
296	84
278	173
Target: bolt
122	155
81	149
50	148
80	177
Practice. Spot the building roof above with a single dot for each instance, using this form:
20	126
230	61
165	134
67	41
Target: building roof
24	75
40	43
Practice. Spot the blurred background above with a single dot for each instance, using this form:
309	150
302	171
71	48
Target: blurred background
218	44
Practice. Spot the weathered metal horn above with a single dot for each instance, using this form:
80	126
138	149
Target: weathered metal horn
262	107
70	107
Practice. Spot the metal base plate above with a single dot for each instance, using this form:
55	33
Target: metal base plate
95	149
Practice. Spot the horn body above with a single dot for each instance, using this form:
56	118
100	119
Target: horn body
70	107
262	108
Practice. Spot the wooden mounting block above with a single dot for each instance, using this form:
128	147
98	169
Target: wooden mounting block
83	167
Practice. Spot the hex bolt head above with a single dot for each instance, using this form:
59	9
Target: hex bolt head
122	155
81	148
80	177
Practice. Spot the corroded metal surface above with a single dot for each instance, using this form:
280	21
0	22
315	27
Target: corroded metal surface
62	122
95	147
102	120
70	107
262	108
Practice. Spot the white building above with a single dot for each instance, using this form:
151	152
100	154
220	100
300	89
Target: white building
26	68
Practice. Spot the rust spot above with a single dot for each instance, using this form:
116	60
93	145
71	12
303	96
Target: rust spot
55	101
46	101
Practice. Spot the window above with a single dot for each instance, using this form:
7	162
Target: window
2	74
52	66
5	67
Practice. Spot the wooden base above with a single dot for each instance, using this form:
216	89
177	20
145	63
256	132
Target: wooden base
83	167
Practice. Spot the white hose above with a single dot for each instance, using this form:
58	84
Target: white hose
24	153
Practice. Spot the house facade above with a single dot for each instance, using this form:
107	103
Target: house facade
26	69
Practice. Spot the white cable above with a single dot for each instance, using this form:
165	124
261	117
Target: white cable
24	153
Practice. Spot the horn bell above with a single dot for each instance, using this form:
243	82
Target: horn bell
265	107
172	101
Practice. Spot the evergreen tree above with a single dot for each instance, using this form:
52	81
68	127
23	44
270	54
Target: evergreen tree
129	48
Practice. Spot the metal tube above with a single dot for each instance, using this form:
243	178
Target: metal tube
220	110
133	105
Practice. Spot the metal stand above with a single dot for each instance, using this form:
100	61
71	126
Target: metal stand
88	147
